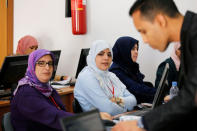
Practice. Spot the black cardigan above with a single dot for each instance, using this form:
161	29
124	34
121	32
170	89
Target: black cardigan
172	75
181	112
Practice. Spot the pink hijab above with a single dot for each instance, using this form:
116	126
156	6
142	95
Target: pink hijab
174	57
24	43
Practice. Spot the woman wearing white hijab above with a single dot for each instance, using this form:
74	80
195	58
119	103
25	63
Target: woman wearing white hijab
96	87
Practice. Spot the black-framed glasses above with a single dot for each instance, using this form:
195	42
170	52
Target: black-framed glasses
44	63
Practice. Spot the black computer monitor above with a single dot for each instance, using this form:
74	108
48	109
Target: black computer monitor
82	60
162	89
57	54
14	68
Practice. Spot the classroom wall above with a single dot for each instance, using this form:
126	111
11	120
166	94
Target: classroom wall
106	19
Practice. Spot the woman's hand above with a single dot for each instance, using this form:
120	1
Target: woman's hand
105	116
113	99
118	101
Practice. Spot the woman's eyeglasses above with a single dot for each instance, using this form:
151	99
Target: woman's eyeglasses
44	63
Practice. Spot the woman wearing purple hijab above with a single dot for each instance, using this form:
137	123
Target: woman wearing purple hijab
36	105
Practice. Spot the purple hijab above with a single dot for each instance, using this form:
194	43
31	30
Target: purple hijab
30	75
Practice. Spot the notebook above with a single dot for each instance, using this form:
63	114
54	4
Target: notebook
159	95
86	121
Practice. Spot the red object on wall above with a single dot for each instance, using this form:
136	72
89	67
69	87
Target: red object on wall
78	13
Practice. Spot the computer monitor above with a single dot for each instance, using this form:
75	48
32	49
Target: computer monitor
14	68
57	54
82	60
86	121
162	89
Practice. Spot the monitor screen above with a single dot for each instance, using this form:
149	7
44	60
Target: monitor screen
57	54
82	60
86	121
162	88
14	68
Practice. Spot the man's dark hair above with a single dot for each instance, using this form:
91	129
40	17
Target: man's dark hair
150	8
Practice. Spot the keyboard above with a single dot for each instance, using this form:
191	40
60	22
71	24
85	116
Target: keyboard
140	112
61	84
5	95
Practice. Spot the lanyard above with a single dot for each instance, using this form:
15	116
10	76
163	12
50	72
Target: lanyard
53	101
112	91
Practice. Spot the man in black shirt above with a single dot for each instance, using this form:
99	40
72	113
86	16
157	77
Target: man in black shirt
159	22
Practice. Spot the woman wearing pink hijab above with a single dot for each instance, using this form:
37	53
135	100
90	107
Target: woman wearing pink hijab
26	45
174	64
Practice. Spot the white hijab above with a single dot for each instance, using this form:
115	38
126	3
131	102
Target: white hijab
106	79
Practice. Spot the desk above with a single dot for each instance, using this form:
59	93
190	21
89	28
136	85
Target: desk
67	97
65	93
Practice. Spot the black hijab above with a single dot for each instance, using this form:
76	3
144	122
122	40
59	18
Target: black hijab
122	57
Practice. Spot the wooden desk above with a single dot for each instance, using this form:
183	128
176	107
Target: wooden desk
66	95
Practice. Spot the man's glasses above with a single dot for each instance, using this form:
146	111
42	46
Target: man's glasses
44	63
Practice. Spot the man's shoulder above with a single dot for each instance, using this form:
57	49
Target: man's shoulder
189	20
189	36
188	12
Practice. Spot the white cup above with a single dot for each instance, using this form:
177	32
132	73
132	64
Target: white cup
129	118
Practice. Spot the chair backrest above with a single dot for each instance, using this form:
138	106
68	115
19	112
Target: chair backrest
76	106
6	122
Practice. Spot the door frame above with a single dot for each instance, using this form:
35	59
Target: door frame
6	32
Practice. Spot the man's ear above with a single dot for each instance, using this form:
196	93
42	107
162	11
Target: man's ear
161	20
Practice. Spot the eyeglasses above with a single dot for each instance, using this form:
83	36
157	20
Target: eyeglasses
44	63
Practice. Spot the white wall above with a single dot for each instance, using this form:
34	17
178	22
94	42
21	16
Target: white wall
106	19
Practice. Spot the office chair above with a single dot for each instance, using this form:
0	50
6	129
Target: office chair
6	122
76	106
